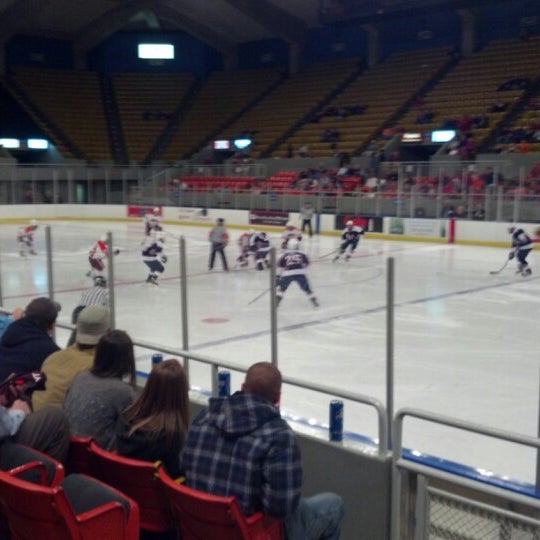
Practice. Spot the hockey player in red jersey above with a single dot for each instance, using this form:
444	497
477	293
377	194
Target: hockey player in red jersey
25	238
97	255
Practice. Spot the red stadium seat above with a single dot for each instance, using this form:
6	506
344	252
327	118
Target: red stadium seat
206	516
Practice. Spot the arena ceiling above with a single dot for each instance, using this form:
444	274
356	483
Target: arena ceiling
222	24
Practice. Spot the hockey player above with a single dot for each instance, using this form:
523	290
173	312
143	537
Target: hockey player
349	239
289	233
154	257
522	245
259	245
25	238
243	246
96	257
152	221
291	265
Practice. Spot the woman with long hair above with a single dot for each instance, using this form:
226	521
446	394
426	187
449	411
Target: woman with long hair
96	398
155	426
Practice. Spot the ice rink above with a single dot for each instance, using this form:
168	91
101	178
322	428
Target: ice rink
466	341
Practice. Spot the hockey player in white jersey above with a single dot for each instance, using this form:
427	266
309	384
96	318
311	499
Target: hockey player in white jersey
152	221
349	240
291	266
290	232
154	257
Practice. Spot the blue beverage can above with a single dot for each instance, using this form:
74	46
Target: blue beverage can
224	384
336	420
156	359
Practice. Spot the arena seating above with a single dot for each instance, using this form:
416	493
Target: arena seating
222	97
229	183
474	86
291	102
72	100
146	103
375	90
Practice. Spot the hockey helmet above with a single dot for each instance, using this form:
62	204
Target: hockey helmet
289	225
220	221
511	229
100	281
155	211
33	222
292	244
103	238
349	223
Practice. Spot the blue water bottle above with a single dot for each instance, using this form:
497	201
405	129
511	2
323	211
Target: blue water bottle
156	359
224	384
336	421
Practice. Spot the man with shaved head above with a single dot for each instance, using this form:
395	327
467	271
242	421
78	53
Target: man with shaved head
239	445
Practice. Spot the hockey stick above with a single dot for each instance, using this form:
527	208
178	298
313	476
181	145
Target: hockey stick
259	296
328	254
500	269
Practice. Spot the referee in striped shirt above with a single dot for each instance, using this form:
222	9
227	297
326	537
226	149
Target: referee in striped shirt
98	295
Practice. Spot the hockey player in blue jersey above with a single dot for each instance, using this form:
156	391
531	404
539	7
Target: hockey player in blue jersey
350	238
259	245
522	245
291	266
154	257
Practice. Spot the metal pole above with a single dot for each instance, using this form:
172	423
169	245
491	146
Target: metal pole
184	302
538	449
50	283
273	307
110	278
1	292
390	346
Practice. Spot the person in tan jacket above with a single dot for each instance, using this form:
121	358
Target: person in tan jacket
62	366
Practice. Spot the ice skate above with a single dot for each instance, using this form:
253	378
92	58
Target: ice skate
347	257
526	272
32	252
314	302
335	258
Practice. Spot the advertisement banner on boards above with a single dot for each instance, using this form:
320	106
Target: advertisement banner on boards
268	217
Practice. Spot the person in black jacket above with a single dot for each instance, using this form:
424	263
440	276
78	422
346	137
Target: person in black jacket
28	341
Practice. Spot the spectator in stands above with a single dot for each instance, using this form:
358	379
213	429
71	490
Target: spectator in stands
154	428
303	151
7	319
448	210
500	106
27	341
241	446
425	117
96	398
515	83
62	366
46	430
478	213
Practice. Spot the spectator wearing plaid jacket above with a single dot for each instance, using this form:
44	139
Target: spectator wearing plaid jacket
241	446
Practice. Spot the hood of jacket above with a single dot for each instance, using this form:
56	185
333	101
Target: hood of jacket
241	414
